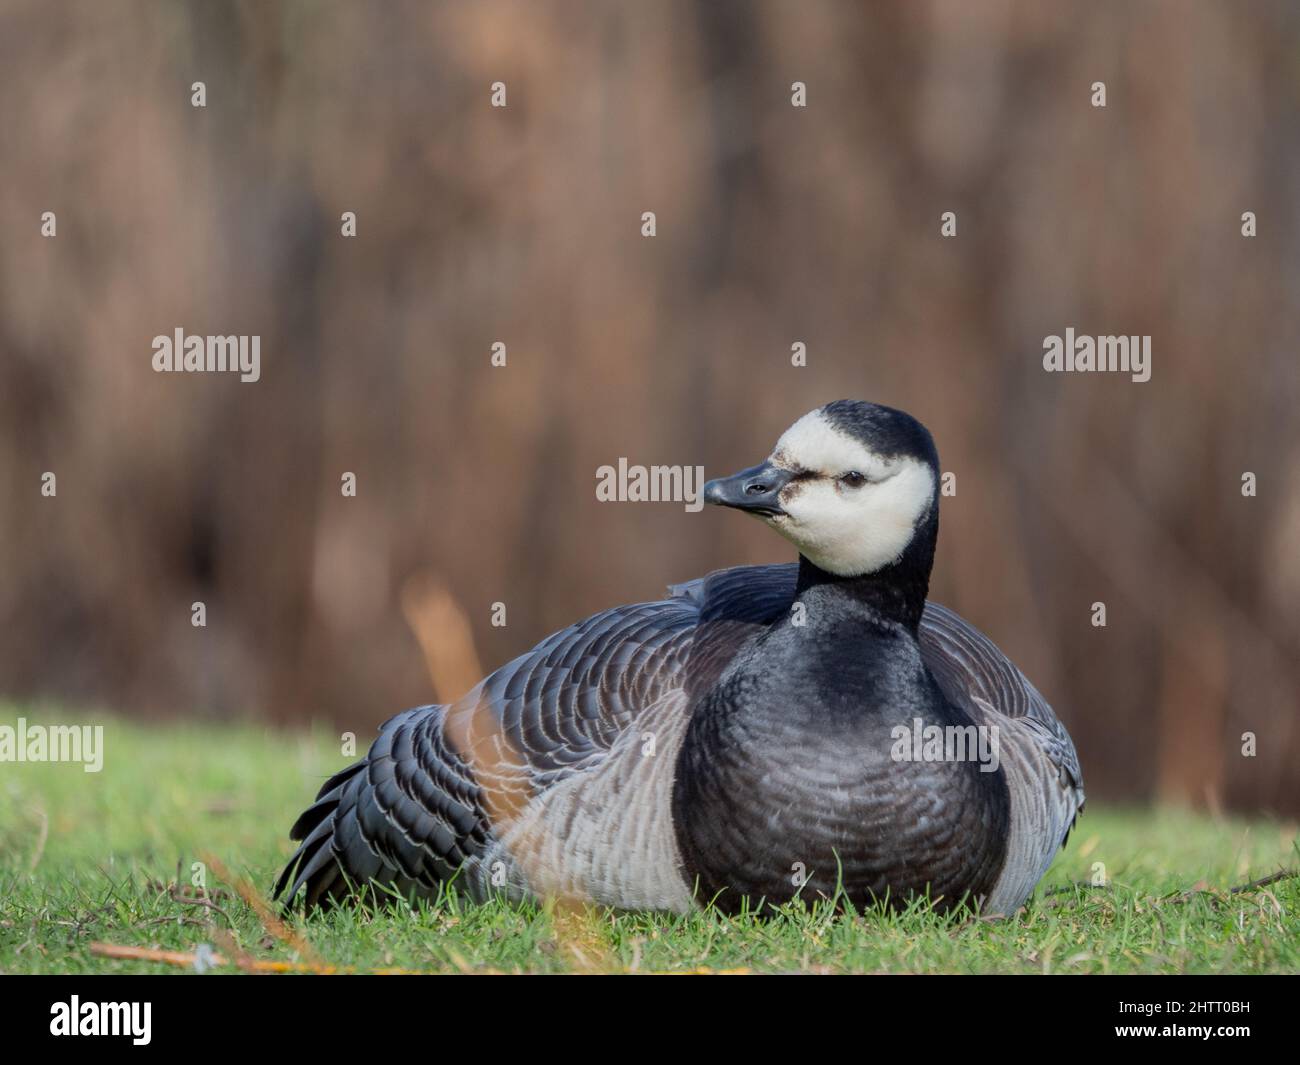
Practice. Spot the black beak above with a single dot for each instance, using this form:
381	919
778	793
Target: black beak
756	489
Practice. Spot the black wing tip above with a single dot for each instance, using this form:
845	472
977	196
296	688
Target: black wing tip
311	874
311	831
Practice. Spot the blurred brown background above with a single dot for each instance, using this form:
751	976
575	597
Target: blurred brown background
775	225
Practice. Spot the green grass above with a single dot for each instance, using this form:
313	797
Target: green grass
94	858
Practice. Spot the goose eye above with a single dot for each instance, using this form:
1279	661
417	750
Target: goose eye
853	479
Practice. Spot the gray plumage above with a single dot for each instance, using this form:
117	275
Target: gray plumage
701	747
553	789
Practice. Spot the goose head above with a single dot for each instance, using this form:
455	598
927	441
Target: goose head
853	485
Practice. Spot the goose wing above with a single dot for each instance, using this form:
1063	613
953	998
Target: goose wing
563	706
441	782
1036	753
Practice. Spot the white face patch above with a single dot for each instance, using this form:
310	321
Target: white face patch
843	529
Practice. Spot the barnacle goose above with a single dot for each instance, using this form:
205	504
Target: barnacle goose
737	740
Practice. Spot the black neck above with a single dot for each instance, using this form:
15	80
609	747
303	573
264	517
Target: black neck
895	593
